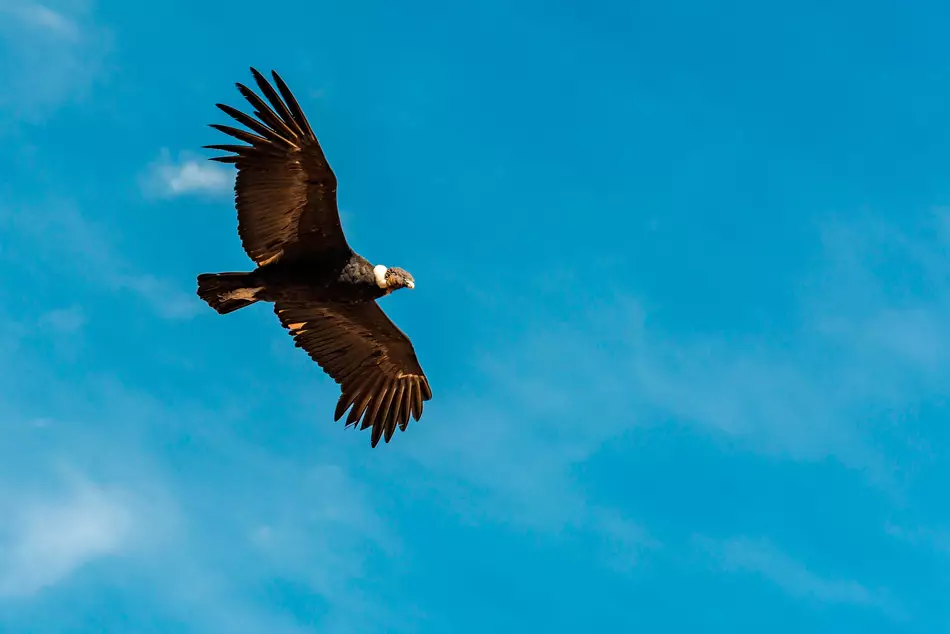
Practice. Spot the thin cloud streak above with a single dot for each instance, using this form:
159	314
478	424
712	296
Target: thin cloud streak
66	321
936	539
75	245
49	57
761	557
34	14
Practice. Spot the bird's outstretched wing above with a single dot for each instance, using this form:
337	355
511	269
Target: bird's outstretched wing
285	191
374	362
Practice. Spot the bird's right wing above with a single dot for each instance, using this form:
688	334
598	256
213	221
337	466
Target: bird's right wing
285	191
368	355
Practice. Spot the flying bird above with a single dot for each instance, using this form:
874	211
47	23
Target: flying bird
324	293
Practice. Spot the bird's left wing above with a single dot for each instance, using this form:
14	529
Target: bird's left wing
373	360
285	191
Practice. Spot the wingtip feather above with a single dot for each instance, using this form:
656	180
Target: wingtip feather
341	406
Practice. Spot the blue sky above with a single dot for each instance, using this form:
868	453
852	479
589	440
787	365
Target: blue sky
682	297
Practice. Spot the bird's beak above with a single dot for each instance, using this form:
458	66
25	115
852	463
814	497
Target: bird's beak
411	284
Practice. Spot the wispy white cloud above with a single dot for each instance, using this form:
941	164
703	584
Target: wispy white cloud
780	402
168	301
760	557
936	539
63	320
49	536
49	55
624	541
41	17
186	176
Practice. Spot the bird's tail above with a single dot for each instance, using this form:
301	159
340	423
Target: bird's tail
227	292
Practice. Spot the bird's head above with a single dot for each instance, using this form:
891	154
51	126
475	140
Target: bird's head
393	278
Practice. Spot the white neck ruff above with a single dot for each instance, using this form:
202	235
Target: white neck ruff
380	272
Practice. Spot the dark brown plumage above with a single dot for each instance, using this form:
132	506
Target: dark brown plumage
323	292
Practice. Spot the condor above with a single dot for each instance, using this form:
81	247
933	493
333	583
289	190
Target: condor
323	292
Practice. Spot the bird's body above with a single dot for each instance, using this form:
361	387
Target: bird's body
346	281
324	293
337	279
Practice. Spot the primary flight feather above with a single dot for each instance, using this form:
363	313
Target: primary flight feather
324	293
